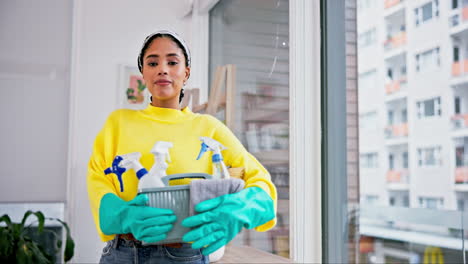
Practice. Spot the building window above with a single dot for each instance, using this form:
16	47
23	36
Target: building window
429	157
368	81
429	108
428	60
456	54
404	116
454	4
391	162
431	202
369	160
370	199
460	157
363	5
457	105
406	201
367	38
368	123
390	117
399	200
426	12
405	160
460	205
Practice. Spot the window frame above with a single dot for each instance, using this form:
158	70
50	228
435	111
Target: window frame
418	12
305	128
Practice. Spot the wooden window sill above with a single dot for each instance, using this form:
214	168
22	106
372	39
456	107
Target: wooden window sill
245	254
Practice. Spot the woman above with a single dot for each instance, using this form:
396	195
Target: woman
122	218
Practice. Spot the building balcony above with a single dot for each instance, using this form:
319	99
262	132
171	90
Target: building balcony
396	86
398	179
458	16
458	20
460	68
396	41
459	121
461	178
396	131
391	3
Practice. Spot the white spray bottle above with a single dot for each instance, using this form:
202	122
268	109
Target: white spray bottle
219	168
161	157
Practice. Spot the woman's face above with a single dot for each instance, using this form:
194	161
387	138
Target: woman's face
164	72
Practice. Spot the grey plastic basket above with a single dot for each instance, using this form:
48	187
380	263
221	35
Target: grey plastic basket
176	198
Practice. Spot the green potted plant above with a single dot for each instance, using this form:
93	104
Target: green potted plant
19	242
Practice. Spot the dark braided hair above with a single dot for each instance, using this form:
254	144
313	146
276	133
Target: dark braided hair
148	43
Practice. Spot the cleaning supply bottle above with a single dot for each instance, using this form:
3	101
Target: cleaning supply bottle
219	168
124	162
161	157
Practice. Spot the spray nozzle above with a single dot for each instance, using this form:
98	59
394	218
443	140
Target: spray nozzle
212	145
162	148
117	170
203	149
124	162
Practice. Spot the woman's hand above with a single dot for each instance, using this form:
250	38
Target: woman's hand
222	218
146	223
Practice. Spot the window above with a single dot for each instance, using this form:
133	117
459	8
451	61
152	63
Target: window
420	170
371	199
460	157
404	116
254	36
426	12
368	123
429	157
400	200
460	205
369	161
429	108
431	202
367	38
367	81
428	60
405	160
456	54
454	4
366	4
457	105
391	162
406	201
390	117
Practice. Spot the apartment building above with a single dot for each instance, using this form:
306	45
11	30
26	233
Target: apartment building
413	104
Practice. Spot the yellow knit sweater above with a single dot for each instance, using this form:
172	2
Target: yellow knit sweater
127	131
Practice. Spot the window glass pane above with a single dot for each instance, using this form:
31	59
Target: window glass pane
421	139
429	108
254	36
426	12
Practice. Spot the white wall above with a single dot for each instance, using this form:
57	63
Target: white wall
106	34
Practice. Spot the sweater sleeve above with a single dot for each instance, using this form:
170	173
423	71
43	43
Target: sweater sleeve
255	174
98	183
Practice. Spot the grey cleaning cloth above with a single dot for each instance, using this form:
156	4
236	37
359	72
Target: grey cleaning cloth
202	190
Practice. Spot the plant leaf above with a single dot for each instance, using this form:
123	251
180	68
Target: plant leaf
69	243
6	242
40	218
5	218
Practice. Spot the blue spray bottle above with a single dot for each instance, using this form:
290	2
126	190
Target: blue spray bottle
124	162
219	168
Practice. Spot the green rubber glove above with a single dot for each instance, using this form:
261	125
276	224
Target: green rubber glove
222	218
146	223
